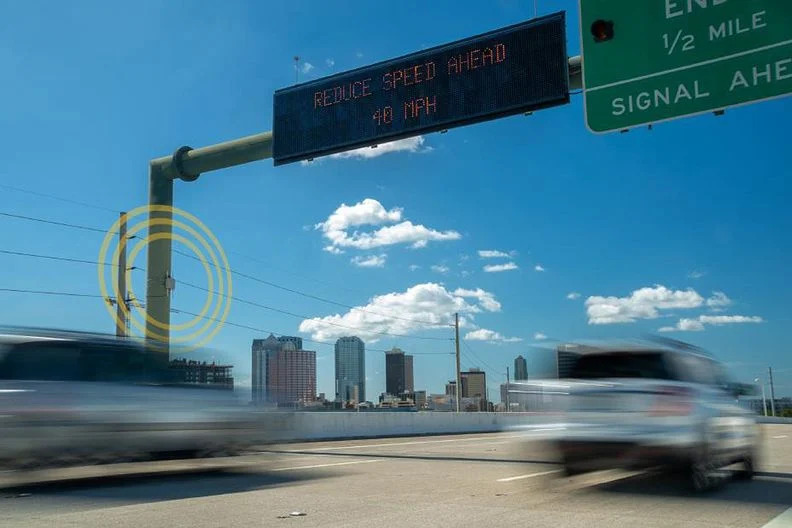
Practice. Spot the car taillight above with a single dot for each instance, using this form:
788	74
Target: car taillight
672	401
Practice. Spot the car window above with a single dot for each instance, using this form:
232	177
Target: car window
42	361
695	369
650	365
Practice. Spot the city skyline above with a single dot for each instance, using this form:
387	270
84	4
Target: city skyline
680	230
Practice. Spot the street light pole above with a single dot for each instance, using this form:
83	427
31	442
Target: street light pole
764	400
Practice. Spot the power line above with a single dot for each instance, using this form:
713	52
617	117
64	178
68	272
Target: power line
317	298
300	316
265	331
240	274
484	363
67	200
63	259
48	292
175	310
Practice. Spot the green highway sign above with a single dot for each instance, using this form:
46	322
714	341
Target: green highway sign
646	61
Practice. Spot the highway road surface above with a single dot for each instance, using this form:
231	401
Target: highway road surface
482	480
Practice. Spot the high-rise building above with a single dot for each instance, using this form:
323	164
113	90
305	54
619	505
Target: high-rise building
474	384
282	373
520	369
394	372
298	344
261	351
409	381
566	358
350	369
450	389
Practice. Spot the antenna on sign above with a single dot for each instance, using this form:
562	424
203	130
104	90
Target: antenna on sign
296	69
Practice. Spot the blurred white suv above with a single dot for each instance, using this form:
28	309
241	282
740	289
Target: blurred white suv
647	406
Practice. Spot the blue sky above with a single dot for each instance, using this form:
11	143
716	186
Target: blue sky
698	206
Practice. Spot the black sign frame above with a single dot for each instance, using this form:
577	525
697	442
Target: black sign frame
292	125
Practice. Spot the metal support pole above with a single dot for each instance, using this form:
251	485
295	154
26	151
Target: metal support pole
122	309
186	164
458	373
764	400
575	67
158	262
772	391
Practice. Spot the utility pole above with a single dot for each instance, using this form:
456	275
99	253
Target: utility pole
458	373
772	391
508	403
122	306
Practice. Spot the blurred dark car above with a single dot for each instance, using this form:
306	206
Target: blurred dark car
69	398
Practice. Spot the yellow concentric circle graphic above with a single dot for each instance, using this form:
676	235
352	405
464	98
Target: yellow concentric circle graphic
180	227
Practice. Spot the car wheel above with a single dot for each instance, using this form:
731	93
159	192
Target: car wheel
700	472
748	470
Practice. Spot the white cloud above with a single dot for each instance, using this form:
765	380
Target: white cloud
371	261
487	299
439	268
420	307
495	268
718	300
464	273
698	324
492	253
483	334
371	212
330	63
414	267
307	67
572	296
332	249
643	303
696	274
411	144
538	267
539	336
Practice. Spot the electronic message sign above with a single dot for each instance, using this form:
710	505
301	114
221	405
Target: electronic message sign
508	71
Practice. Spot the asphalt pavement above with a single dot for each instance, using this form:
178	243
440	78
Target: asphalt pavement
486	480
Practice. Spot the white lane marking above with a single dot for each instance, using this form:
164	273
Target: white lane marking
780	436
782	521
326	465
391	444
529	475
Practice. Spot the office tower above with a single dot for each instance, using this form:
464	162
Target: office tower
409	380
520	369
350	369
566	358
474	384
283	374
298	344
394	372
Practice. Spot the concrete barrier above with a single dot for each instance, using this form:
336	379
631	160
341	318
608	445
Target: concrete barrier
336	425
289	427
